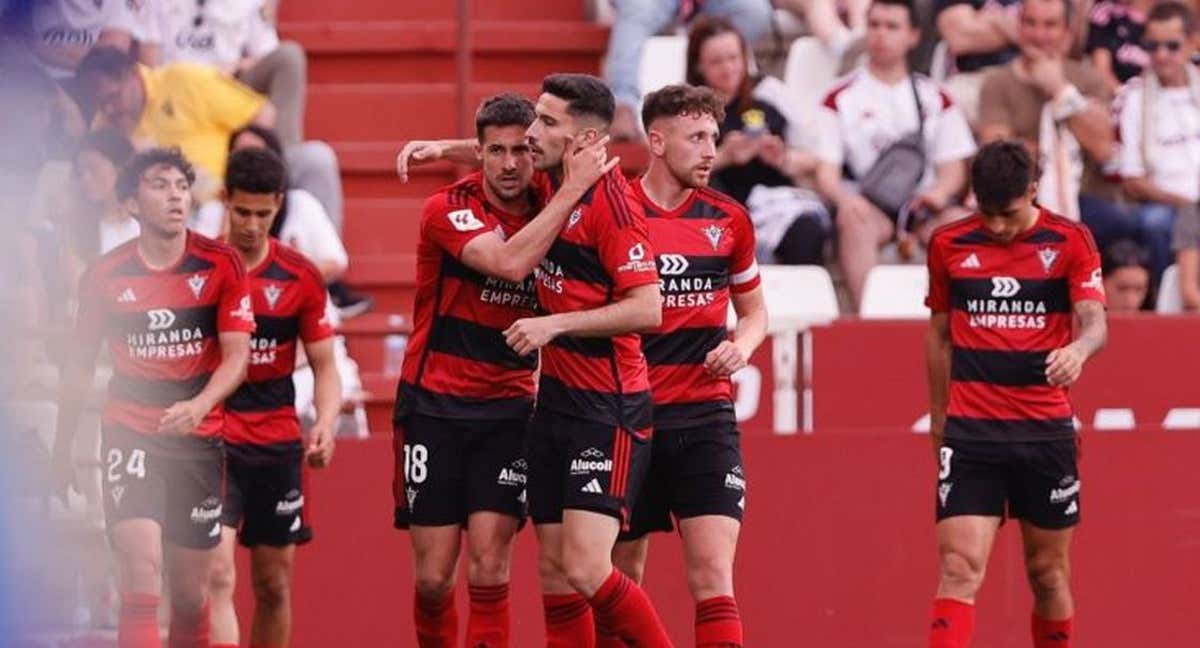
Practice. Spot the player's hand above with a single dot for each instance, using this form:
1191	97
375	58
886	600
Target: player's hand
418	152
1064	365
530	334
63	476
319	452
582	167
182	418
725	359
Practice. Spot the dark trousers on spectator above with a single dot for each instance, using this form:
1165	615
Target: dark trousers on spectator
1150	224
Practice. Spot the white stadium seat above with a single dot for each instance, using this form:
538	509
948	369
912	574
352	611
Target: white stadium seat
797	297
810	69
664	61
1170	294
895	292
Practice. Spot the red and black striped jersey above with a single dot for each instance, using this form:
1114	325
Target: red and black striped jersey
705	250
288	296
1010	305
162	327
457	364
603	251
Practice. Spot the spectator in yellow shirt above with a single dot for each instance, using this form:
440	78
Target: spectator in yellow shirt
191	106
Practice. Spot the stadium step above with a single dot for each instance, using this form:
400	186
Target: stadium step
519	10
389	278
381	225
426	51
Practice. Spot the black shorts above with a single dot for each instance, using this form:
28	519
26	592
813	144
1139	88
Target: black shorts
1033	481
264	494
173	480
586	465
447	469
693	471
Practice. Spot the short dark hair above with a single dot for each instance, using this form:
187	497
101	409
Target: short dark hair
114	146
1171	9
1124	253
681	99
103	62
265	134
585	95
1002	172
907	5
504	109
131	175
255	171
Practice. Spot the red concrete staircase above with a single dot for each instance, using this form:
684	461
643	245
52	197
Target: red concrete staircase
382	72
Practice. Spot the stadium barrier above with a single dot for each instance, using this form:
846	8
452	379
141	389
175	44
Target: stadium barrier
838	549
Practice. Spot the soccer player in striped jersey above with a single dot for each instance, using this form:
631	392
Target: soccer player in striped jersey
704	244
264	451
174	311
1006	287
588	448
464	397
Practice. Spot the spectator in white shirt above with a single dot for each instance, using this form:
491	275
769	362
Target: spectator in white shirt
864	114
1160	137
238	37
64	31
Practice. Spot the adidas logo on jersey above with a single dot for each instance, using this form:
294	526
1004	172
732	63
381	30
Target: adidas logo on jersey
592	487
215	531
1073	508
971	262
295	525
127	297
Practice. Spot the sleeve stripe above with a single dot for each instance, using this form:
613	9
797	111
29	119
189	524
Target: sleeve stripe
618	207
745	276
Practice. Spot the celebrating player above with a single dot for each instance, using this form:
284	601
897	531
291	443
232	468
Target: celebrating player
1005	286
264	493
465	397
175	313
704	242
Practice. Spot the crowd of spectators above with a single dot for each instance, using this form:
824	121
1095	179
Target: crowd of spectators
1105	93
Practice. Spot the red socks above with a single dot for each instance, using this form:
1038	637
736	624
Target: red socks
568	621
952	624
606	637
138	625
718	624
1051	634
488	625
623	606
437	621
189	632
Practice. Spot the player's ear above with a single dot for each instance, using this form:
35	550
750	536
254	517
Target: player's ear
131	207
657	141
586	136
223	196
478	151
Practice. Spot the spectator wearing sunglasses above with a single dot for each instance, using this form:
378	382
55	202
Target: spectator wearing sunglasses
1159	119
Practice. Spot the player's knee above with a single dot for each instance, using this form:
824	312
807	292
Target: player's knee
222	579
585	573
490	563
709	577
960	572
1048	578
434	583
271	590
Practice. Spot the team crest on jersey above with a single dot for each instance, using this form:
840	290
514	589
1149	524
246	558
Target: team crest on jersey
196	283
1047	256
576	215
272	293
714	235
